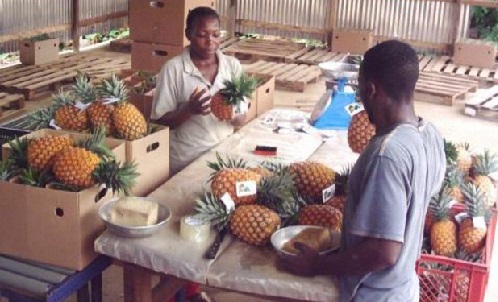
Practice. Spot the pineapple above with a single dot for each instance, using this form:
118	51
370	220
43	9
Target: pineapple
42	151
451	153
360	131
321	215
311	178
464	158
254	224
67	116
100	114
129	122
74	166
263	172
443	231
225	181
209	209
452	182
485	165
470	238
338	201
84	89
227	99
227	163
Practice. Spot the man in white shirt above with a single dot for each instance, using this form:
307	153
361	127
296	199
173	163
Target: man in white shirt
185	86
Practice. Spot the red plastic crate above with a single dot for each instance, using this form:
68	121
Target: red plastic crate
447	279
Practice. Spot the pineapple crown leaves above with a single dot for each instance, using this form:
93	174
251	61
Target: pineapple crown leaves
84	89
226	163
210	209
450	151
62	98
439	205
235	90
96	143
40	119
113	87
453	177
35	178
486	163
18	152
275	167
474	199
341	179
120	178
6	169
465	256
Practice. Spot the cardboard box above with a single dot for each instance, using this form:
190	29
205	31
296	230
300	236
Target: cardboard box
475	53
264	94
162	21
151	154
52	226
143	101
151	57
352	41
38	52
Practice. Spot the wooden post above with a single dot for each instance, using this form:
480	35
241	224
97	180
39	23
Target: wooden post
137	283
331	22
75	26
456	22
232	17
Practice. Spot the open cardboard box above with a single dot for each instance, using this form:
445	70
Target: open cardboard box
52	226
38	52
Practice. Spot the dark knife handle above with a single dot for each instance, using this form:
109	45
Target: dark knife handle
213	249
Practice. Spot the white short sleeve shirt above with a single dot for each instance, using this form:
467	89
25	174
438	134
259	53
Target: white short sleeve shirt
176	81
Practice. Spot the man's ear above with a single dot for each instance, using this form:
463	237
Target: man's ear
188	33
370	90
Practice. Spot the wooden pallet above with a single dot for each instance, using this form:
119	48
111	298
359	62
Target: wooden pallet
10	103
445	65
293	77
255	49
442	88
316	56
484	103
227	42
36	81
299	104
121	45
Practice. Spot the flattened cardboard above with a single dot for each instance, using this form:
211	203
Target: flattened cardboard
38	52
351	41
151	57
151	154
475	53
162	21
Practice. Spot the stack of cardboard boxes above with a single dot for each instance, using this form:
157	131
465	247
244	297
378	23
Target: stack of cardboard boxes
157	29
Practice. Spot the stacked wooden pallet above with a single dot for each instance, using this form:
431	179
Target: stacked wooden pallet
316	56
444	64
121	45
484	103
10	104
36	81
443	88
288	76
255	49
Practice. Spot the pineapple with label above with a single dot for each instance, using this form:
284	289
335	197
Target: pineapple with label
338	201
227	99
321	215
486	164
470	238
443	230
67	116
311	178
225	181
360	131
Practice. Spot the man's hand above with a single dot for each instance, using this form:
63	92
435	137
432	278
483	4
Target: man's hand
303	264
198	104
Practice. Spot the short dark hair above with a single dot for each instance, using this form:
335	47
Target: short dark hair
394	66
197	14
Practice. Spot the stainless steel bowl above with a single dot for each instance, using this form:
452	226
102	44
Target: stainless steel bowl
164	214
338	70
280	237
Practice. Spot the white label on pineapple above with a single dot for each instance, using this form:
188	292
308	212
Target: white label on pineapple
245	188
470	111
452	203
228	202
110	100
242	108
54	125
328	193
479	222
81	106
354	108
459	217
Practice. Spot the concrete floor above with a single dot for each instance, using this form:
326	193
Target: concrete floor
450	121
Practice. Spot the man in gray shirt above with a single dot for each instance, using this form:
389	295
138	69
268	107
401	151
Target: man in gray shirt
389	187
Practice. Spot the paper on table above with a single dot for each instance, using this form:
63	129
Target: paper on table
335	152
252	269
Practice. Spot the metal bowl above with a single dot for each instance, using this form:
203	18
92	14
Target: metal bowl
164	214
337	70
280	237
